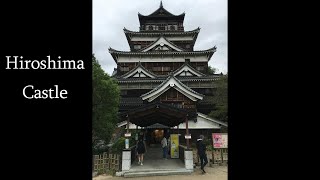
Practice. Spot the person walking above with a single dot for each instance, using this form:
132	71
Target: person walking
164	144
201	147
141	149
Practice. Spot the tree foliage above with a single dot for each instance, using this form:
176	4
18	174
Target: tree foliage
105	102
220	100
211	70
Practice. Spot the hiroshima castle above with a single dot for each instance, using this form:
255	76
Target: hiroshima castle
166	85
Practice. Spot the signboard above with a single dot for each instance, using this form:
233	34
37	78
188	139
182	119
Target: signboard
127	135
127	143
220	140
174	144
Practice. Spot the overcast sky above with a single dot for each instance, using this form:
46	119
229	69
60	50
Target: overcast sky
111	16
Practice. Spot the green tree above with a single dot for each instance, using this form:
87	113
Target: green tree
105	102
211	70
220	100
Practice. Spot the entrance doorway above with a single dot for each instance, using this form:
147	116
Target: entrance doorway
156	136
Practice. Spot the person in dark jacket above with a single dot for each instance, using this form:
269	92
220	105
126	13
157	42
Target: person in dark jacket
201	147
141	149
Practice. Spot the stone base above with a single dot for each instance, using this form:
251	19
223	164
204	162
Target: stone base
126	160
188	159
118	174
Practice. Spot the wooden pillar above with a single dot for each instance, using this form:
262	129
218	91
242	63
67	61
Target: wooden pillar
187	132
178	128
128	120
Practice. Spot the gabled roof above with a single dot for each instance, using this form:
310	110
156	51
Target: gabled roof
186	67
162	41
139	70
153	113
161	12
161	78
114	53
172	82
193	33
157	33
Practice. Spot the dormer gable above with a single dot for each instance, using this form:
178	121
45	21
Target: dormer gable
187	70
162	44
139	72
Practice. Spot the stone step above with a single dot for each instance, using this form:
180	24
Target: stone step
156	173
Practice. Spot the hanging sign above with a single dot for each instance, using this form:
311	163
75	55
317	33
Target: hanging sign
127	143
174	144
220	140
187	136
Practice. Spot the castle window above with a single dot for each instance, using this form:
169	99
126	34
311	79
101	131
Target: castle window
156	68
166	68
150	27
200	68
124	67
138	46
162	27
172	28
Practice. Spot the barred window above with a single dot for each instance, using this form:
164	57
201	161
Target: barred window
126	68
138	46
166	69
156	68
200	68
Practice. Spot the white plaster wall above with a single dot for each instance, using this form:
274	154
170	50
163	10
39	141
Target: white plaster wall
200	124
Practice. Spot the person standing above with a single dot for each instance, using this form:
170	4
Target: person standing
141	149
201	147
164	144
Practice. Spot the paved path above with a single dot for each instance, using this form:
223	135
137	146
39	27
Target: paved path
153	160
216	173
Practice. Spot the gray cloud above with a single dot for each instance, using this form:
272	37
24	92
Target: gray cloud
110	17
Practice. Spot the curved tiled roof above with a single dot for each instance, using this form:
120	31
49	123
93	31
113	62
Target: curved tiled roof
157	33
161	9
211	119
211	50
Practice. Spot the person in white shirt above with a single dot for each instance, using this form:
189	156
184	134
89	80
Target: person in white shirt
164	144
